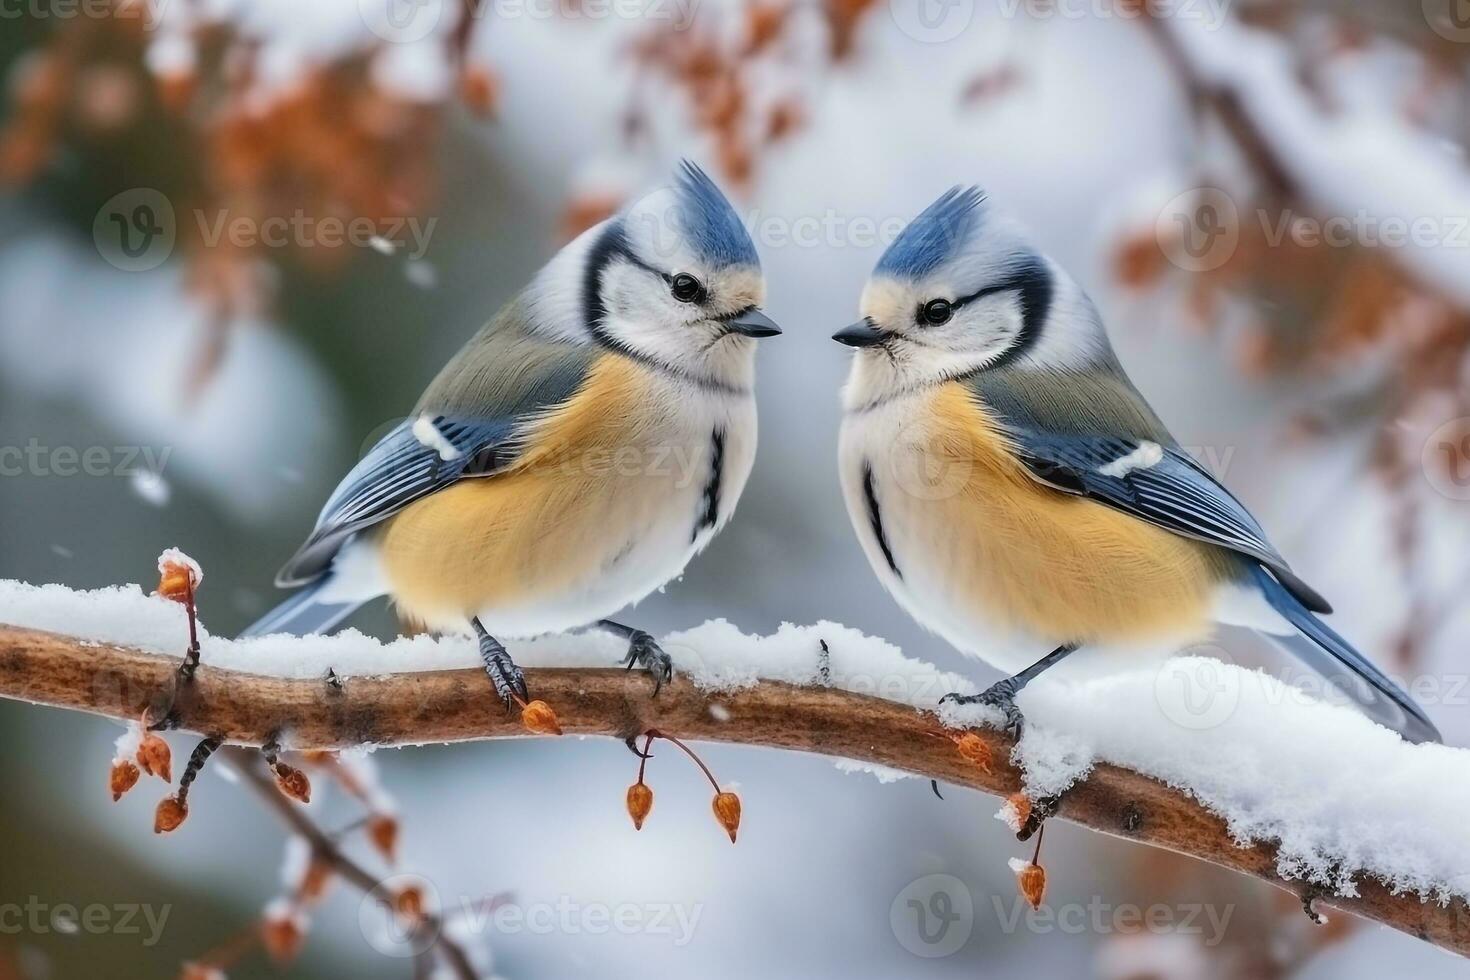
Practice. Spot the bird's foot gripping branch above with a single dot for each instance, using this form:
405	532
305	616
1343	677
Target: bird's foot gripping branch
1178	757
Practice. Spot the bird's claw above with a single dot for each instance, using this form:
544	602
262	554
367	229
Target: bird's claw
644	650
509	681
1000	696
632	743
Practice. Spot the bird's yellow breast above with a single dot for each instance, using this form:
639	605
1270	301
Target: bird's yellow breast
1056	565
546	526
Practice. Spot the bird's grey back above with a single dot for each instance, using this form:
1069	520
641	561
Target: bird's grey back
509	369
1092	400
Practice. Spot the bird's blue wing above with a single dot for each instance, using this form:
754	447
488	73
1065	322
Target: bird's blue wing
478	407
400	469
1160	484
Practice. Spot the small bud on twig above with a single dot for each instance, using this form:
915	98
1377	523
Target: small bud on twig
409	903
316	880
383	832
1032	881
281	934
155	758
539	719
175	583
727	812
480	90
170	813
1019	805
640	802
292	782
178	576
124	777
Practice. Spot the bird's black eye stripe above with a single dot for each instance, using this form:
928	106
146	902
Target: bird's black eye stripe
687	289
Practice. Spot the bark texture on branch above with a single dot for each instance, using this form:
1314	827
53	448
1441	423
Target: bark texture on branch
457	705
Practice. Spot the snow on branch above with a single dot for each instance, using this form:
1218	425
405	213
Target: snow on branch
1307	795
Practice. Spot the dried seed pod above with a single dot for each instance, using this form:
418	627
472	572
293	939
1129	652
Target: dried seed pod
640	801
1032	881
170	813
382	830
179	575
124	776
409	903
539	719
292	782
727	812
155	758
281	934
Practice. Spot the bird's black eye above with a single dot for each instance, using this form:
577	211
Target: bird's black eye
687	289
936	311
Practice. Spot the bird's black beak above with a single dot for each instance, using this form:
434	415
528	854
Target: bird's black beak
860	334
753	323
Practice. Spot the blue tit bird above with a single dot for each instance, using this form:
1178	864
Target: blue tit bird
572	457
1016	494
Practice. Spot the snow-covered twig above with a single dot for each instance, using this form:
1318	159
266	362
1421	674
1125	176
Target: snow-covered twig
454	705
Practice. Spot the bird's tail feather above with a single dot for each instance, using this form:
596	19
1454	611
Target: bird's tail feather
304	613
1322	649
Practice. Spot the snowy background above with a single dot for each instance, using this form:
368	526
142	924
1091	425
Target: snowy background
227	385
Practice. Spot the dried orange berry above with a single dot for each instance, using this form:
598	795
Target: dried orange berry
1020	805
155	758
640	801
293	782
409	903
170	813
727	812
539	719
281	935
1032	882
383	832
175	583
123	777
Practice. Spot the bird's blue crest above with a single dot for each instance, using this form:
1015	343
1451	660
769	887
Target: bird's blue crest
935	235
706	218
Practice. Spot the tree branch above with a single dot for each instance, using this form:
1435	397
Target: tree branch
457	705
326	849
